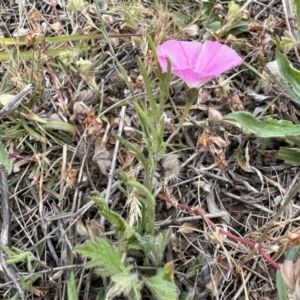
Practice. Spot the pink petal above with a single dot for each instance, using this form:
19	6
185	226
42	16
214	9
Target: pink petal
216	59
197	63
183	55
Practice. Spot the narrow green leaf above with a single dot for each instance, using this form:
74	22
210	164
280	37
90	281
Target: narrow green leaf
32	132
113	218
281	287
134	150
148	87
5	160
290	155
72	291
267	128
103	255
288	72
160	288
297	12
60	125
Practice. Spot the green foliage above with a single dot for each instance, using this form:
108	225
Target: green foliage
209	17
16	255
266	128
289	73
109	260
5	160
113	218
137	237
127	284
281	285
161	288
72	292
103	255
290	155
154	247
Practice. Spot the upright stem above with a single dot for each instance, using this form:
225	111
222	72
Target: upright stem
192	95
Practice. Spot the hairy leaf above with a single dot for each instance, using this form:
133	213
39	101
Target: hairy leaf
160	288
72	292
154	247
127	284
102	255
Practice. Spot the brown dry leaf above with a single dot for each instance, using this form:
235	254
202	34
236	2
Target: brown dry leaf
57	27
85	95
294	236
177	249
35	16
215	145
212	206
35	291
191	30
93	121
287	272
213	284
102	156
220	159
203	139
126	160
70	177
95	229
186	228
81	229
214	115
235	102
80	112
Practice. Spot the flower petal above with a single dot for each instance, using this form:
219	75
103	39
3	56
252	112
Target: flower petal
216	59
183	55
197	63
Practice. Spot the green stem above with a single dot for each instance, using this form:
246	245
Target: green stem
192	95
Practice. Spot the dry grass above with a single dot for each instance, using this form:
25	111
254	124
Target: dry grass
79	81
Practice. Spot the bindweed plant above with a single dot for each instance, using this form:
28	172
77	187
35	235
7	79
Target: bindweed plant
137	234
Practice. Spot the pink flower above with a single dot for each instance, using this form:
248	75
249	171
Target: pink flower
197	63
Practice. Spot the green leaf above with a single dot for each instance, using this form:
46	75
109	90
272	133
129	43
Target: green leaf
154	247
59	125
281	287
288	72
292	253
160	288
180	20
290	155
16	255
75	5
5	160
297	12
32	132
113	218
103	255
265	129
238	28
127	284
234	11
72	291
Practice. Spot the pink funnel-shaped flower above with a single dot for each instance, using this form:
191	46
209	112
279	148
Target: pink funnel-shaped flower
197	63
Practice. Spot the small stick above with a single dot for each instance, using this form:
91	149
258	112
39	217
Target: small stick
15	101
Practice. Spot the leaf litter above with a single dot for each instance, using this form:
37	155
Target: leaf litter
222	171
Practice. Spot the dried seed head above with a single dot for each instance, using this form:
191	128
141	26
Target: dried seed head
171	167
